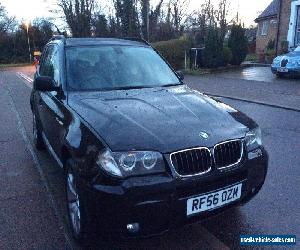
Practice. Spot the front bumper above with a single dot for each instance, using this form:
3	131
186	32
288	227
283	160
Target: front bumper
158	203
291	71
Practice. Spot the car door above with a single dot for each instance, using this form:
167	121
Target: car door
51	107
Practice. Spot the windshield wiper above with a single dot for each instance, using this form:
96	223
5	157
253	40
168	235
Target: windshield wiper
172	84
143	87
131	87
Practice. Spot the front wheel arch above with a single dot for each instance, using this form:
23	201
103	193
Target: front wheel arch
65	156
86	232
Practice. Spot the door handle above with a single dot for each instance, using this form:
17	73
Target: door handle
59	121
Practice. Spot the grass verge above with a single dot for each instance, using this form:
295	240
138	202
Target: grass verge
14	65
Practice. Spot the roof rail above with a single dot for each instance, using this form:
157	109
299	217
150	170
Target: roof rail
137	39
58	37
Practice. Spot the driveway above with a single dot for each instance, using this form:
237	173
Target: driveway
253	84
260	74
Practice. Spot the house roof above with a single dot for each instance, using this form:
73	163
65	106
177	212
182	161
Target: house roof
271	11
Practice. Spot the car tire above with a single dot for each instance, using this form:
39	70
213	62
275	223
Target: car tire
279	75
77	206
37	135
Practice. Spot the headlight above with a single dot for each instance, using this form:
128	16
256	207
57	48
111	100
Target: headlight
292	62
107	162
124	164
277	60
253	139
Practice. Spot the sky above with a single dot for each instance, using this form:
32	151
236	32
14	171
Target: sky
30	9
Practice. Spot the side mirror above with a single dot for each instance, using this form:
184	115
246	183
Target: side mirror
44	83
180	75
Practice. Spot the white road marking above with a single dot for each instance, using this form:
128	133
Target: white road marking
215	243
29	146
27	80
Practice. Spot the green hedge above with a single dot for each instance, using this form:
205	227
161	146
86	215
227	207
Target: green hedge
213	52
238	44
173	51
227	56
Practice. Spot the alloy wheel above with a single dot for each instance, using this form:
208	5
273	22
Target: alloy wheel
73	203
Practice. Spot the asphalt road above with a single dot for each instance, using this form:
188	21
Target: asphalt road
254	84
32	199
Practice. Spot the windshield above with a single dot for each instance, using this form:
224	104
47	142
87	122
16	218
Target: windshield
297	49
116	67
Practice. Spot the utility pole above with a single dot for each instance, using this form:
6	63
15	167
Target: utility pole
29	49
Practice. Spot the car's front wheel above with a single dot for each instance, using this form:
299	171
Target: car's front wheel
77	208
37	135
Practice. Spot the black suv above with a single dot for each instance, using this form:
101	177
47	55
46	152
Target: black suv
142	152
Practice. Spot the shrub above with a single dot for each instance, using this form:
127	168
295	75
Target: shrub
270	55
251	58
271	44
227	56
173	51
238	44
270	52
213	53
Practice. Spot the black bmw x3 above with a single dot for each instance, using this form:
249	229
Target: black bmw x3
142	153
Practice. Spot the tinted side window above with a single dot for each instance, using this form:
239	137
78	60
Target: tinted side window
46	68
43	61
55	62
51	64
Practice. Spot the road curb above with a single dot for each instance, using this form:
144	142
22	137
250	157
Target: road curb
253	101
256	65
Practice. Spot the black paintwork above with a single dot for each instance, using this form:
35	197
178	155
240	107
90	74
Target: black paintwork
160	119
78	125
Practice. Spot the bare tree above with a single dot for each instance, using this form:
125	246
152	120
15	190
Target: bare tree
222	15
6	23
204	19
154	18
100	25
78	15
210	13
179	12
127	17
145	12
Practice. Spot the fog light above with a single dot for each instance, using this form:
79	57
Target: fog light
254	154
133	228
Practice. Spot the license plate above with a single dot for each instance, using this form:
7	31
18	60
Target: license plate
283	70
213	200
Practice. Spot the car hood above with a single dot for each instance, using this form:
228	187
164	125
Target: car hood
292	55
158	119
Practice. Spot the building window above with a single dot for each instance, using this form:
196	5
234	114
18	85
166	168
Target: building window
273	23
264	28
